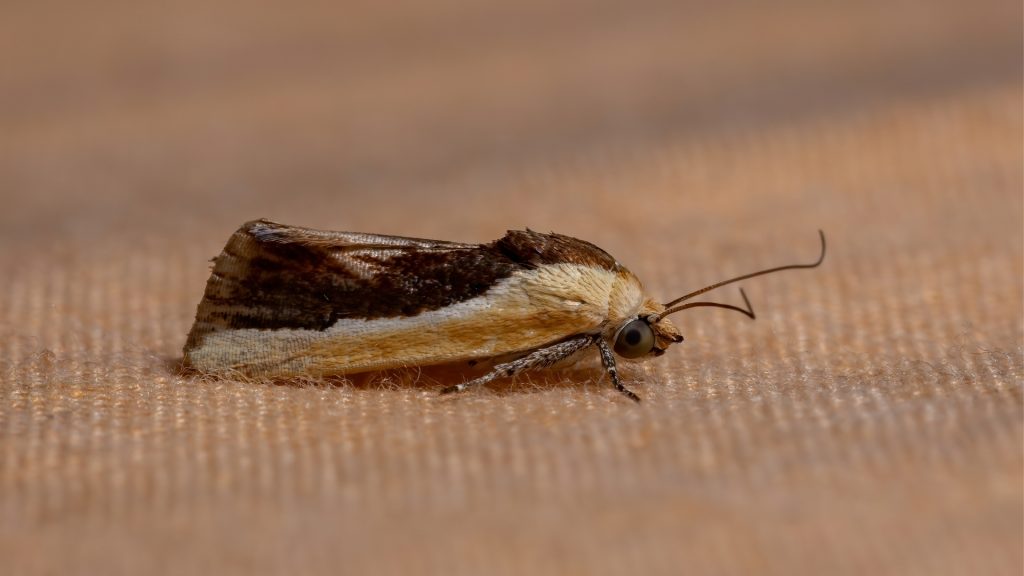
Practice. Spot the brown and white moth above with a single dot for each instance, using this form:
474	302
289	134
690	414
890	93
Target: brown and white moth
285	301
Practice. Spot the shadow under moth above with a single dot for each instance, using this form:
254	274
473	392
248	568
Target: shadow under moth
285	301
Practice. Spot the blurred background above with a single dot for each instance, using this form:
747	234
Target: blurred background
868	422
210	113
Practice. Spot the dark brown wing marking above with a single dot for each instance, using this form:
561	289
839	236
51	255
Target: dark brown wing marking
271	276
533	249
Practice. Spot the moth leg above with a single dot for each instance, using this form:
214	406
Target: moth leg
609	364
541	358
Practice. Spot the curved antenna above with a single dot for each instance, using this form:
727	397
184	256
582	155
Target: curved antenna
744	277
749	311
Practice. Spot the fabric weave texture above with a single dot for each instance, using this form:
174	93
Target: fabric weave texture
868	422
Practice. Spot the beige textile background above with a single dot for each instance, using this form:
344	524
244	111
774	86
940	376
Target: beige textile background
870	420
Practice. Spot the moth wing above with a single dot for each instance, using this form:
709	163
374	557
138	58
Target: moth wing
286	300
270	276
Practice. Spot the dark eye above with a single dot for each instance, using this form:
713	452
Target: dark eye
634	340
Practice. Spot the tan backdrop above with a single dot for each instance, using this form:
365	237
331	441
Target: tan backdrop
870	420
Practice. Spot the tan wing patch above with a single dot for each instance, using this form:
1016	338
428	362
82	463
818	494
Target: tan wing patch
525	311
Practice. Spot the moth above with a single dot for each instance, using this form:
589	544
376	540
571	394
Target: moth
284	301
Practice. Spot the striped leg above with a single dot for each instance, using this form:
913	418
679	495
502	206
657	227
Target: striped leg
608	359
541	358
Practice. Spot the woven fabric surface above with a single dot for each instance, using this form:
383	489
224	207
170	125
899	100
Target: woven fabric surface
869	420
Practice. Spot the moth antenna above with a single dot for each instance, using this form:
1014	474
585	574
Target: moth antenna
748	311
817	263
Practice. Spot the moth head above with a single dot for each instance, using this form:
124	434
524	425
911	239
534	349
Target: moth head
644	335
650	332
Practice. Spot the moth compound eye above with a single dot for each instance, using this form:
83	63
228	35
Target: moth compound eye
634	340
